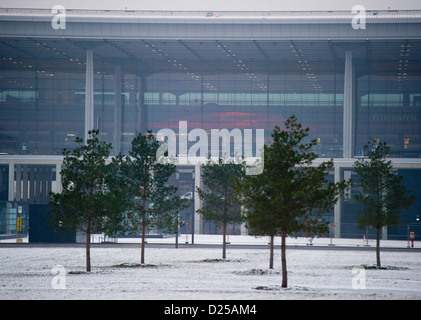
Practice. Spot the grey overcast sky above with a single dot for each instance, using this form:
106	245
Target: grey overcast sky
217	5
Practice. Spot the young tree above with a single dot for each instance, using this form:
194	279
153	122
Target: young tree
93	197
291	194
259	216
219	204
170	220
147	179
383	193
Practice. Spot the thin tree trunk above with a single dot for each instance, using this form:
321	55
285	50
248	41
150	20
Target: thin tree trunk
142	253
272	237
378	233
224	227
378	212
378	246
284	259
224	242
88	247
88	237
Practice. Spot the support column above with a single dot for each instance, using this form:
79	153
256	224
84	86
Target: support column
338	208
58	188
197	202
138	105
32	184
25	183
117	109
243	230
144	121
38	184
348	115
18	182
89	93
384	233
11	188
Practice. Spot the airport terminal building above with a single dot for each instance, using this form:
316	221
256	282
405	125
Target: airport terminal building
65	72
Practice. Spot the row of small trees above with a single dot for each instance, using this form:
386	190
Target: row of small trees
122	195
292	194
289	196
130	193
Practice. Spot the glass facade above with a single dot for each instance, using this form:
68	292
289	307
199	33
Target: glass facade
42	101
41	105
389	105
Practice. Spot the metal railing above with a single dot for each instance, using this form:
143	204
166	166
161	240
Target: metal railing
102	238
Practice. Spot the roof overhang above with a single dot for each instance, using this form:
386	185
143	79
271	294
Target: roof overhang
91	24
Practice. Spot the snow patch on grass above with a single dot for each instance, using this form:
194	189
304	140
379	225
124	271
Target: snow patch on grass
199	273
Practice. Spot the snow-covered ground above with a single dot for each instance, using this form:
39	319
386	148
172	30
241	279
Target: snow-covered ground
53	272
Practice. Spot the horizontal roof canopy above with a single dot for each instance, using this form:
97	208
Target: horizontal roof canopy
195	50
202	25
201	35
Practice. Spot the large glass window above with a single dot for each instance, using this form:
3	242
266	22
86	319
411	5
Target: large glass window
40	109
42	100
387	103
